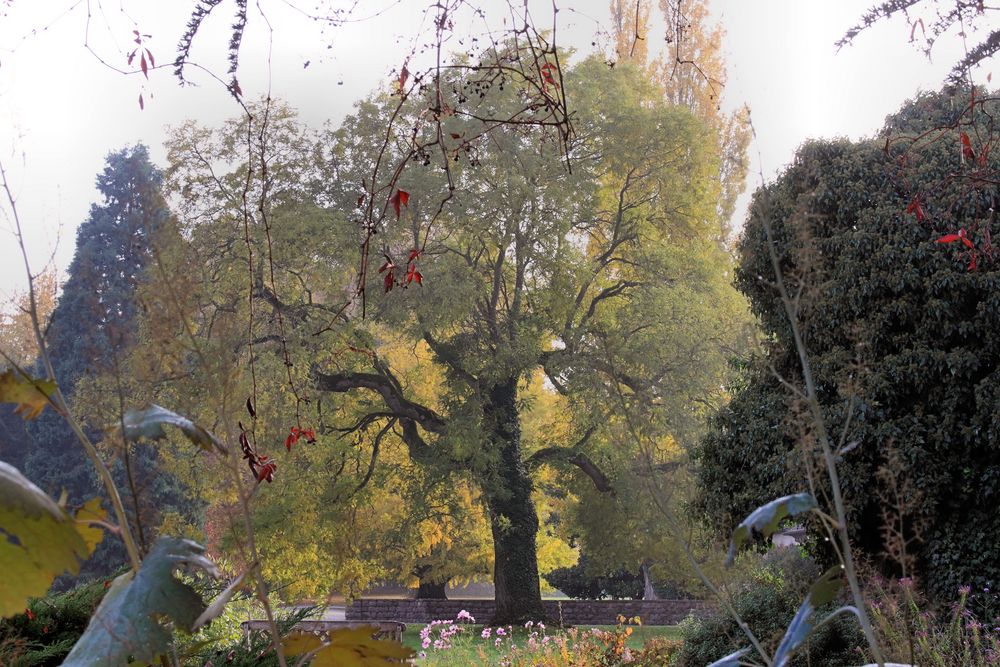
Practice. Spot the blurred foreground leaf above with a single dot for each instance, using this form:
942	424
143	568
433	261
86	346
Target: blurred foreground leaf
128	625
38	541
30	396
149	423
765	519
350	647
823	591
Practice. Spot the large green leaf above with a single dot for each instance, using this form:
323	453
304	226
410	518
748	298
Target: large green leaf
38	541
765	519
149	423
823	591
129	622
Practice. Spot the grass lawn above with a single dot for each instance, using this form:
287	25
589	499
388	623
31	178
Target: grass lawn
469	648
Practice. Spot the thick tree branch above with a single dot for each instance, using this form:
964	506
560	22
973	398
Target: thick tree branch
375	449
566	455
390	392
573	456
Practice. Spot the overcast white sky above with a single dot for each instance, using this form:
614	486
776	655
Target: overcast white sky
62	111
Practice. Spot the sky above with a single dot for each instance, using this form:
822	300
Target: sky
63	106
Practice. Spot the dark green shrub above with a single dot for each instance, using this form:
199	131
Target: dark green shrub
767	601
45	633
902	334
580	581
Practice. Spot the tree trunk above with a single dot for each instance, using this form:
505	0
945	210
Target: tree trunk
432	590
428	588
648	590
512	514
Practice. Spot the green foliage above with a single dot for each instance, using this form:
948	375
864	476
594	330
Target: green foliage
902	336
607	276
578	581
44	637
768	601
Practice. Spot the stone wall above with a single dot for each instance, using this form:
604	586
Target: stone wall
571	612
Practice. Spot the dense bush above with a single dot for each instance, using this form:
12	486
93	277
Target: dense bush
767	601
44	634
901	332
579	581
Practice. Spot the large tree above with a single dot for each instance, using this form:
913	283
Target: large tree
606	277
886	245
584	274
93	326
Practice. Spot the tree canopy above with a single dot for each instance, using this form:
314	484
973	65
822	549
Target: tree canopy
604	278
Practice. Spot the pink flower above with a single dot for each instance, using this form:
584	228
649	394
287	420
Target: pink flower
501	632
466	616
486	633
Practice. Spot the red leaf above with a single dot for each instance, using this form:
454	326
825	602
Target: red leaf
131	57
949	238
390	280
253	413
290	440
142	105
144	66
916	209
546	71
401	197
267	469
456	136
152	60
404	74
413	255
31	614
412	275
361	200
388	265
967	152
